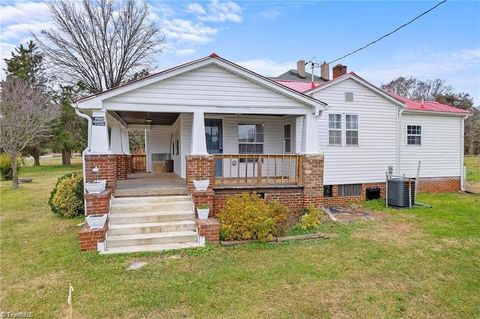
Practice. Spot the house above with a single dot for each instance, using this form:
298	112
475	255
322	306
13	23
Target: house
286	138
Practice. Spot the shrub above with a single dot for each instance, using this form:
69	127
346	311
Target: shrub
247	216
312	218
66	198
6	167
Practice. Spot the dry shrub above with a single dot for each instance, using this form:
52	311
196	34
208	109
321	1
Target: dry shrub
247	216
66	199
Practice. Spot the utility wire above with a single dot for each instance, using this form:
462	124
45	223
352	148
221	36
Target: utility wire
390	33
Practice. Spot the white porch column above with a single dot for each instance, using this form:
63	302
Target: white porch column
99	137
309	135
115	139
125	141
199	143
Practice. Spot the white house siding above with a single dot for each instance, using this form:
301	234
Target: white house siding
377	120
158	140
440	151
210	86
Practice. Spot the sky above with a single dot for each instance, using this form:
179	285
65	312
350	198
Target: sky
270	36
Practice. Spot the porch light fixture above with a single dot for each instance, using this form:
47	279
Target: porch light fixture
148	121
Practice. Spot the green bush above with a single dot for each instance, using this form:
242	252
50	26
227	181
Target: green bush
66	198
247	216
6	172
312	218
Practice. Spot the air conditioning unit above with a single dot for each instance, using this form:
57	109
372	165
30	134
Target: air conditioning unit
399	190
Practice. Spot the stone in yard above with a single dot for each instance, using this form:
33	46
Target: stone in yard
136	265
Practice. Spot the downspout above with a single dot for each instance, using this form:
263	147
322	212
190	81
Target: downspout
86	150
399	139
462	152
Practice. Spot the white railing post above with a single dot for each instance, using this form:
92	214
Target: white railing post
99	136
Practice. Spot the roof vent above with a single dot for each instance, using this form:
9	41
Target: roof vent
349	96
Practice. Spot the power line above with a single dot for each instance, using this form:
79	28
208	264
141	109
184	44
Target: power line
390	33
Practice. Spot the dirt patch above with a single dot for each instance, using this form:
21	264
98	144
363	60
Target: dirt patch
352	214
391	231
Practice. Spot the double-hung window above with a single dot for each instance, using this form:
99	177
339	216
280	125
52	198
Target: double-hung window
287	138
335	129
250	138
351	132
414	135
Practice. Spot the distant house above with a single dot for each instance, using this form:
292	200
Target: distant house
287	138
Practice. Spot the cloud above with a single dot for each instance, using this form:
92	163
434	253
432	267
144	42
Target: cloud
196	8
267	67
16	31
217	11
423	64
24	12
185	52
186	31
271	14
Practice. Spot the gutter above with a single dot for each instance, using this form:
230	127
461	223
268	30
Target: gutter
86	150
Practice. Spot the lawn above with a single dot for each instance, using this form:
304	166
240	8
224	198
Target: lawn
419	263
472	164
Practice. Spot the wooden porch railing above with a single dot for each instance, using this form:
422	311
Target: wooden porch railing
139	163
257	169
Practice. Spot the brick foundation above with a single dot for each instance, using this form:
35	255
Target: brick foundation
199	167
439	184
204	198
336	200
210	228
98	203
90	237
107	163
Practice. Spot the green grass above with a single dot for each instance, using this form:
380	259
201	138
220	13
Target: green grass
408	263
473	168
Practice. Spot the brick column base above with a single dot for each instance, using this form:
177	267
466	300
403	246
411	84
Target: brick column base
89	238
199	167
203	198
210	228
122	166
312	179
107	163
98	203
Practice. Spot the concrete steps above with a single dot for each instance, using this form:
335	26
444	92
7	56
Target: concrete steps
151	223
132	192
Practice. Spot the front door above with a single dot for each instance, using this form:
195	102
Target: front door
214	134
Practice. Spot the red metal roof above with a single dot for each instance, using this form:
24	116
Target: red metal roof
429	106
299	86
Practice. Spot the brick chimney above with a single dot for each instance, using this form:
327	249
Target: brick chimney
339	70
325	71
301	69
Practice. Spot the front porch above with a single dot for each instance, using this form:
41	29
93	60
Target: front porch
151	184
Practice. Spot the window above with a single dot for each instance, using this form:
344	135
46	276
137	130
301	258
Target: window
351	132
250	138
178	147
335	129
349	190
287	138
349	96
414	135
327	191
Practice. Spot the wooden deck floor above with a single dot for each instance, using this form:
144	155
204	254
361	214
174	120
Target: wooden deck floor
150	184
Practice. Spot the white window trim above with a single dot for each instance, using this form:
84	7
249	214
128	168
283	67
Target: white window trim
285	138
252	143
343	121
406	135
335	129
358	130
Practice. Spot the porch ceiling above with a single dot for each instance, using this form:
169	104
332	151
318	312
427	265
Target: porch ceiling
141	117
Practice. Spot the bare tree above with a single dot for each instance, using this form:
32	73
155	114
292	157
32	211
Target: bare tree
100	43
472	132
26	114
412	88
